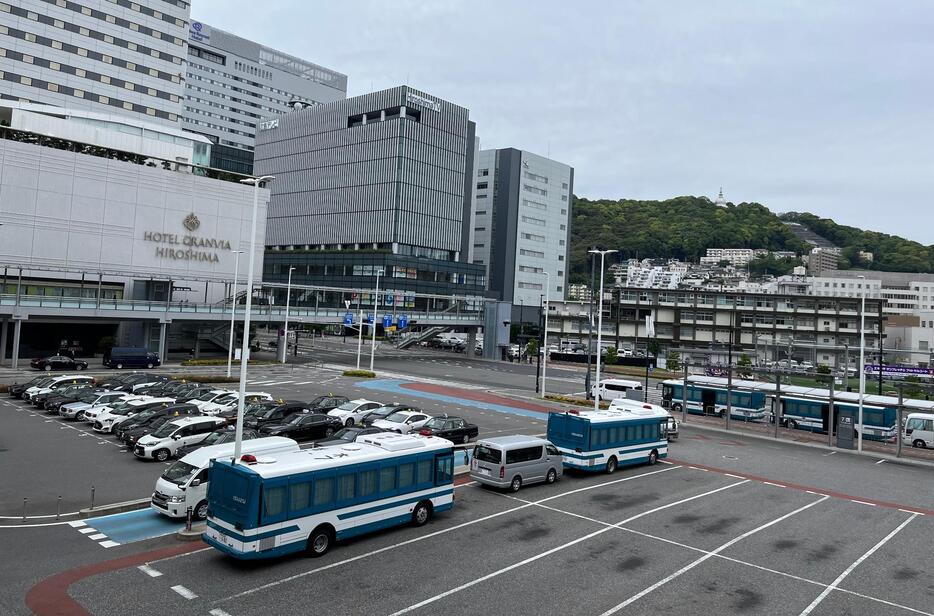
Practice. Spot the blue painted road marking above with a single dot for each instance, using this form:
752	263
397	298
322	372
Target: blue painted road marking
135	525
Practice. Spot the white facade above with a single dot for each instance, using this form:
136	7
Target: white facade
126	58
736	256
521	223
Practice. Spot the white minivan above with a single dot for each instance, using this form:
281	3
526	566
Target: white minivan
173	435
610	389
185	483
919	430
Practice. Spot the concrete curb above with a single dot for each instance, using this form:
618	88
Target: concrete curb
103	510
191	535
820	446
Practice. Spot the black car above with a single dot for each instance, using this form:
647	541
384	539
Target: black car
385	411
347	435
138	429
113	382
251	408
139	381
217	437
17	389
323	404
304	427
163	388
454	429
275	413
161	409
192	393
54	399
58	362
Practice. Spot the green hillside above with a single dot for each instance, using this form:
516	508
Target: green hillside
682	228
685	227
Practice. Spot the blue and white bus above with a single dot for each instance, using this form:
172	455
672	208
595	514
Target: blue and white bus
813	414
604	440
707	396
307	500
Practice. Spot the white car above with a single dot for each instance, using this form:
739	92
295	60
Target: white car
354	411
113	415
91	414
230	399
173	435
78	408
210	396
403	422
53	384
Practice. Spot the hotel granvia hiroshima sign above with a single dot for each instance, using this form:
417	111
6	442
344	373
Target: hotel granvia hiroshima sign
186	247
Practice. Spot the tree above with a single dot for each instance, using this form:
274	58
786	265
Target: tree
743	364
673	362
823	373
531	348
612	355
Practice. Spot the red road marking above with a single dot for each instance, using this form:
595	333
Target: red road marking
478	396
802	488
50	596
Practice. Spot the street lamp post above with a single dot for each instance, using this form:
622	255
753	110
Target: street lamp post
862	366
233	310
373	325
545	339
360	329
285	327
245	349
603	254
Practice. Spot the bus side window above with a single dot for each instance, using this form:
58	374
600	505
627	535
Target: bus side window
345	487
406	475
299	496
387	479
324	491
366	483
423	472
444	470
273	503
614	435
630	433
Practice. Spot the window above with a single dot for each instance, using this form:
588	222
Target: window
483	173
367	483
345	487
534	176
534	190
482	185
273	501
299	496
536	205
406	475
387	479
531	253
533	237
424	472
444	470
324	491
538	222
524	454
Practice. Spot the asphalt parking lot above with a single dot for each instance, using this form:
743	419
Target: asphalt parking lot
647	540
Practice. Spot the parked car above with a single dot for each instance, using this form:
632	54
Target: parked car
165	409
58	362
162	444
303	427
17	389
218	437
403	422
57	383
130	357
346	435
87	400
140	381
210	396
92	414
274	414
385	411
192	393
140	429
230	414
323	404
514	461
229	402
353	411
454	429
111	416
51	400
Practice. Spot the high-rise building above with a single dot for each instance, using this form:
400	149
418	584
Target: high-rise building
522	224
115	57
376	183
233	84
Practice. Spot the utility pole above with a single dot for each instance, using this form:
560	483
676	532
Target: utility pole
846	366
729	368
684	393
619	296
881	352
593	272
538	338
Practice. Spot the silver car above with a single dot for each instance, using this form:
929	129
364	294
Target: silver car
514	461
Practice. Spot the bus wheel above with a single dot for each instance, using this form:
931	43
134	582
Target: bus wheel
918	443
653	457
320	540
611	465
676	407
421	514
791	423
721	413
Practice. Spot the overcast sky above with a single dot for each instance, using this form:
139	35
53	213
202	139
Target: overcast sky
811	106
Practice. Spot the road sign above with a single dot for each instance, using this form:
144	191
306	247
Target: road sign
387	321
347	304
403	321
348	319
369	318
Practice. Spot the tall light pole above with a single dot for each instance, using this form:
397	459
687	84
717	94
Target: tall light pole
245	349
360	329
862	366
375	308
233	310
545	339
603	254
285	327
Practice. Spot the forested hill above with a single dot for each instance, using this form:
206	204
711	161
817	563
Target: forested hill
890	252
682	228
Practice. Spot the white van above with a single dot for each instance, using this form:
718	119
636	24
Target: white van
185	483
610	389
173	435
919	430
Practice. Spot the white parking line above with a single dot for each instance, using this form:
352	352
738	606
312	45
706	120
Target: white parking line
850	569
149	571
184	592
546	553
97	537
705	557
87	530
108	544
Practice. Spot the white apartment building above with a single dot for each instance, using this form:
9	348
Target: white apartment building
905	293
113	57
522	224
736	256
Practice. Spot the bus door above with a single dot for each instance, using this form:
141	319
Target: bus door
709	401
825	417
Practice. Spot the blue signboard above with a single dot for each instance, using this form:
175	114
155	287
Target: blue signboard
387	320
389	299
403	321
369	318
348	319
